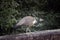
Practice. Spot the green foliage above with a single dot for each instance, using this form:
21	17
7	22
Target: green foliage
13	10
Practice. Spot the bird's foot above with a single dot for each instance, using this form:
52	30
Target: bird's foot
28	30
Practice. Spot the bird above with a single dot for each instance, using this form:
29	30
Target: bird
28	21
41	19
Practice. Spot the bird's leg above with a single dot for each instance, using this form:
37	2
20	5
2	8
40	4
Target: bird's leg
28	29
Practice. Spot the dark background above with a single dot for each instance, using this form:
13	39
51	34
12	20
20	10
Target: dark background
13	10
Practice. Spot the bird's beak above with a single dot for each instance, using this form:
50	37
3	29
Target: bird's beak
41	19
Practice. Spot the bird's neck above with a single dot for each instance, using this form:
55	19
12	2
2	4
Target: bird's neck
34	21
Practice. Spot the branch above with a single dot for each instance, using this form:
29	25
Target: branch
39	35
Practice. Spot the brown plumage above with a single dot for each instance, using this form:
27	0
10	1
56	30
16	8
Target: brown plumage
28	21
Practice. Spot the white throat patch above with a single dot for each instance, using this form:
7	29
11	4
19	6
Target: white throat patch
34	21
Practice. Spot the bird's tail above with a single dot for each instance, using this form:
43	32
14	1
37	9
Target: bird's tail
15	26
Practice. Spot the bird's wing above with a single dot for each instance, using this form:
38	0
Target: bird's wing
21	22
